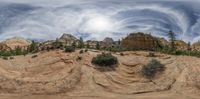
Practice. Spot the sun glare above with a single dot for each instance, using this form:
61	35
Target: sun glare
100	24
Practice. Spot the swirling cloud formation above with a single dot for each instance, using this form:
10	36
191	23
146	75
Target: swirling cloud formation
48	19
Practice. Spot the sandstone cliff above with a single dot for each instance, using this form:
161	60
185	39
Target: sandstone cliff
140	41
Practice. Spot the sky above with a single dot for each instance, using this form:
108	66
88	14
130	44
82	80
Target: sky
97	19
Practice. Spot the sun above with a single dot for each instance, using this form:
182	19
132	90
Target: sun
100	24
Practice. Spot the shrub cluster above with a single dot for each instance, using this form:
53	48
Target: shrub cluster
11	57
149	70
34	56
78	58
151	54
5	58
105	59
69	49
81	52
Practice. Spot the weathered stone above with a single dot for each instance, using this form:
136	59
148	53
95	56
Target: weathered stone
139	41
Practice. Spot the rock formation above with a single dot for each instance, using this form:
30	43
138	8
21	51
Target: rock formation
181	45
139	41
4	47
91	43
196	46
12	43
108	40
68	39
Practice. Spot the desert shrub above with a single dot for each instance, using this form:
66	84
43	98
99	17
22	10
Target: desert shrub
11	57
79	58
151	54
81	51
104	59
149	70
122	54
34	56
69	49
5	58
115	49
86	50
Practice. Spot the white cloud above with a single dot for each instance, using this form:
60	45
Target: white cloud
84	16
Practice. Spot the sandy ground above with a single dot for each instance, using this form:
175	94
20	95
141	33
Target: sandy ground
59	75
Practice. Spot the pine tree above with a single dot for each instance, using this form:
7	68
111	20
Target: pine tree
188	46
97	46
81	43
172	39
33	47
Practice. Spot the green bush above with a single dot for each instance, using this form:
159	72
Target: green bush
104	59
149	70
81	51
69	49
34	56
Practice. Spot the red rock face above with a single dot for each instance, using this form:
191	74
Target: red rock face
139	41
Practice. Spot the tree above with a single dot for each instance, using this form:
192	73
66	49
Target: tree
81	43
97	46
172	39
188	46
33	47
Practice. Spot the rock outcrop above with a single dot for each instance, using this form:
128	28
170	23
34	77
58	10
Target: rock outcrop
181	45
12	43
108	40
91	43
68	39
140	41
196	46
4	47
163	42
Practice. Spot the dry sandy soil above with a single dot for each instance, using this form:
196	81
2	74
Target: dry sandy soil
58	75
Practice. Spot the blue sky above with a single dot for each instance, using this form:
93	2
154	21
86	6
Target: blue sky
97	19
